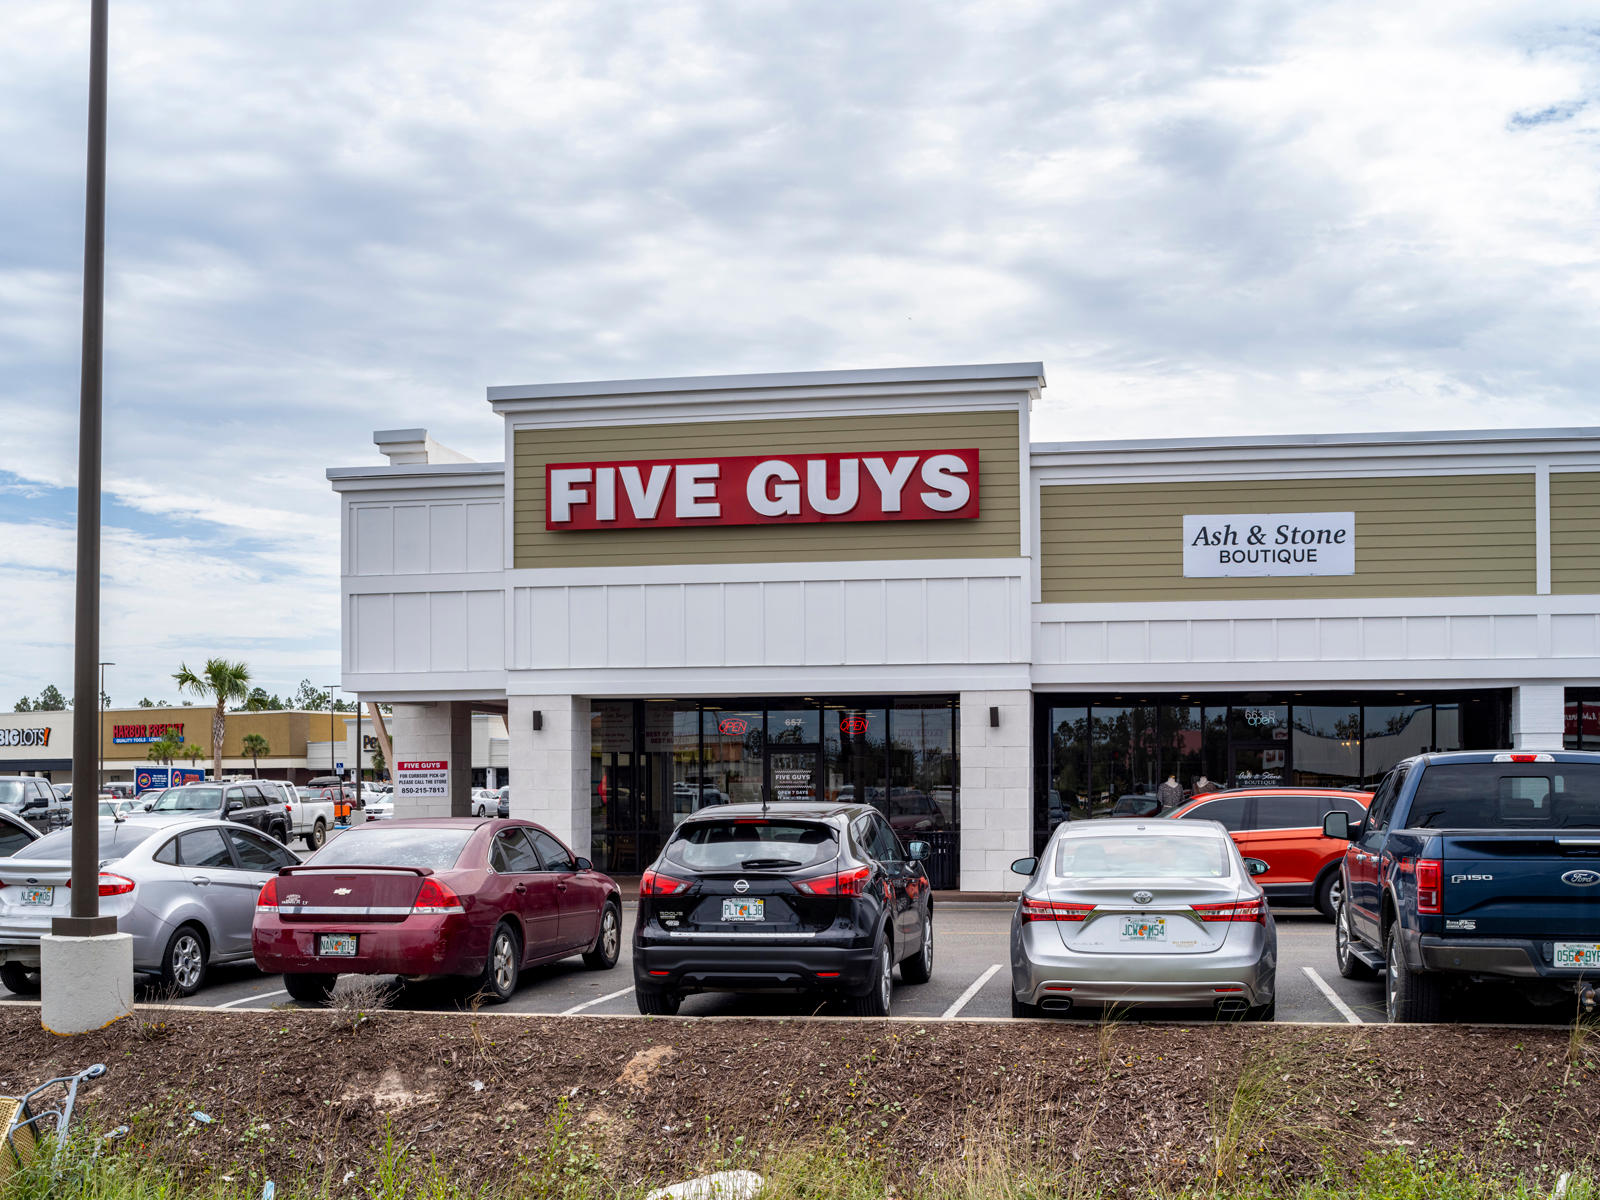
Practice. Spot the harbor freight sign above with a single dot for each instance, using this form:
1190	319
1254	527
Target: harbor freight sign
123	734
1216	545
425	780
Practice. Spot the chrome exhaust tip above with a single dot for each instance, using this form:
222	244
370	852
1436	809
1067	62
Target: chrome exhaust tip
1231	1007
1056	1004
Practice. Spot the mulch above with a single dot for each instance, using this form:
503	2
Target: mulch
293	1092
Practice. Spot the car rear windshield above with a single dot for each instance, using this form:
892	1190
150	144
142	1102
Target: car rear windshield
753	844
435	849
1149	856
116	839
1507	796
189	799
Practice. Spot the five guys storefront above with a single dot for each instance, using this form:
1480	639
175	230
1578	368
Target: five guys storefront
872	586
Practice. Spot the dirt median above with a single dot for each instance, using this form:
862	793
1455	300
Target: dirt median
295	1093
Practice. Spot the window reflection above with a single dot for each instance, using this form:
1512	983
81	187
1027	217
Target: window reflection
1394	732
1327	745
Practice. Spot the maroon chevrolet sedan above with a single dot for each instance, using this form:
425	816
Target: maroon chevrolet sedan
473	899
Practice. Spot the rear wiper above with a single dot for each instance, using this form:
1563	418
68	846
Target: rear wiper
752	864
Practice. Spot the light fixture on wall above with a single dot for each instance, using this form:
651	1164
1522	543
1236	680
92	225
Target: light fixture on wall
994	716
538	719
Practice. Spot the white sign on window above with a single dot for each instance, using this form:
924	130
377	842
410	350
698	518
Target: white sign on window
424	780
1222	544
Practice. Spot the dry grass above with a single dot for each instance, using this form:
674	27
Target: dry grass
357	1001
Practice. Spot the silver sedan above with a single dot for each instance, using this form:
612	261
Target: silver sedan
1134	913
185	888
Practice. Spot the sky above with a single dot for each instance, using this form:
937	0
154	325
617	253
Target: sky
1205	217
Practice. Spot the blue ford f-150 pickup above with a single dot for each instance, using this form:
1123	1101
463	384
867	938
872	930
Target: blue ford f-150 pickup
1475	866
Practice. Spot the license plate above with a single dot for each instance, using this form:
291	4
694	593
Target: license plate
336	945
1144	929
1578	954
38	895
744	910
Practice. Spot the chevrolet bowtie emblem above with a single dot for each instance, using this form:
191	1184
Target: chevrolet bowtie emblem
341	891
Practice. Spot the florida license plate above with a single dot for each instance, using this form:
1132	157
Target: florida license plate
1144	929
744	910
38	895
336	945
1578	954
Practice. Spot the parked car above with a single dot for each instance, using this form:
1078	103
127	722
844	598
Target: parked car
35	801
380	809
245	803
1282	827
1472	867
478	900
15	833
484	800
819	898
310	818
503	804
120	790
1160	914
912	810
185	888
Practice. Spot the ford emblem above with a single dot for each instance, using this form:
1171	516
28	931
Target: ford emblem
1583	878
741	886
1143	897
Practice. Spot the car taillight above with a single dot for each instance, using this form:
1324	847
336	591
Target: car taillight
1053	910
840	883
1239	910
113	885
267	901
653	883
434	899
1430	885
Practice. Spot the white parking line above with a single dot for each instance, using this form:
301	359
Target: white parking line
972	990
1345	1011
578	1008
248	999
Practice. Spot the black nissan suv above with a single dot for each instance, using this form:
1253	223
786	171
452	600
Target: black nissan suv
787	897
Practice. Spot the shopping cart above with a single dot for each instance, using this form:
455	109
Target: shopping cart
26	1115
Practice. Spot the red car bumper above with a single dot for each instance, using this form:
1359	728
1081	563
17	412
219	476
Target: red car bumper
418	945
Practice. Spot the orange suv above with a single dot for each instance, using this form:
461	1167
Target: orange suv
1283	828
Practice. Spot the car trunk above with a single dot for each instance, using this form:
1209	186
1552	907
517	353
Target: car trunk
1522	883
376	894
746	882
33	893
1167	923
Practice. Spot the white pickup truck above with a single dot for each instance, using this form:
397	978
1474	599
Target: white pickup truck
309	818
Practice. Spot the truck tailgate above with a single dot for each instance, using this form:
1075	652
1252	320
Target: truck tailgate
1522	883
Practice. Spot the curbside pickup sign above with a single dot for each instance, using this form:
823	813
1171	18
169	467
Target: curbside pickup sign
1216	545
427	779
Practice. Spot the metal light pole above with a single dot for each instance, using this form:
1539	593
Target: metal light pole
100	734
332	688
85	920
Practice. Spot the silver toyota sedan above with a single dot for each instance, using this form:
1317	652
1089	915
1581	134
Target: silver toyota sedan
185	888
1158	913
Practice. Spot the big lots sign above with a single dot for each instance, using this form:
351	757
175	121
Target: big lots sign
775	489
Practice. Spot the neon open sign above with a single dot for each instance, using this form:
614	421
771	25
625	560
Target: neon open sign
733	726
853	723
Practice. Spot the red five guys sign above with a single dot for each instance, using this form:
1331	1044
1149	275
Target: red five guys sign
776	489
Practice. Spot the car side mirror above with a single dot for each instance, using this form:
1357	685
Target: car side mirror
1025	866
919	851
583	864
149	806
1255	866
234	806
1336	825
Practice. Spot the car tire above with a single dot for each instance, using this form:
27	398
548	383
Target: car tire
310	989
279	833
478	810
653	1002
318	835
919	967
503	967
874	1000
183	962
1329	893
1409	996
19	978
1350	967
1020	1008
607	948
1263	1012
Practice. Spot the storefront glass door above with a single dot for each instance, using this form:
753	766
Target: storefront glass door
1252	765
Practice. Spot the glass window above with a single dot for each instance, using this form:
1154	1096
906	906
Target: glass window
794	726
374	846
512	854
204	848
556	856
1394	732
885	846
12	838
1290	812
188	799
922	765
1229	810
1148	856
257	854
168	854
1570	727
733	741
1259	722
854	749
115	841
1383	801
1507	796
712	845
1066	792
1123	754
1182	729
1216	751
13	793
1326	745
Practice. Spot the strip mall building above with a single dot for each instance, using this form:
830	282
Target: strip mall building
873	585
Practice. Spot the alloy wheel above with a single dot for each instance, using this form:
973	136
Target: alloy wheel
1391	989
1336	894
505	967
1341	936
610	933
927	945
885	982
188	961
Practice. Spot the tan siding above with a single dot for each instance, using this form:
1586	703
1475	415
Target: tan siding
1575	531
1455	535
996	533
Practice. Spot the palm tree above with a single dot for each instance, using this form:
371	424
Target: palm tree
165	749
255	746
193	751
222	681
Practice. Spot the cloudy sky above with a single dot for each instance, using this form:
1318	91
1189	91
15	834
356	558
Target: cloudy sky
1203	216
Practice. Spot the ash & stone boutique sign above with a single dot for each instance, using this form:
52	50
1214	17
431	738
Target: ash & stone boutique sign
1216	545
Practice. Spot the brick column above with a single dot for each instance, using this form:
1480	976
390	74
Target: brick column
996	789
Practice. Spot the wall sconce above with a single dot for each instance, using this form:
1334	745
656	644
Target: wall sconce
538	719
994	716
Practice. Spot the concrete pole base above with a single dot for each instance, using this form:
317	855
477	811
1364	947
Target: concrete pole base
86	983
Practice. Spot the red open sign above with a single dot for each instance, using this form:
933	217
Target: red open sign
853	723
733	726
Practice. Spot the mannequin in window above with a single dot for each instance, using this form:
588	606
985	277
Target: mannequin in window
1170	793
